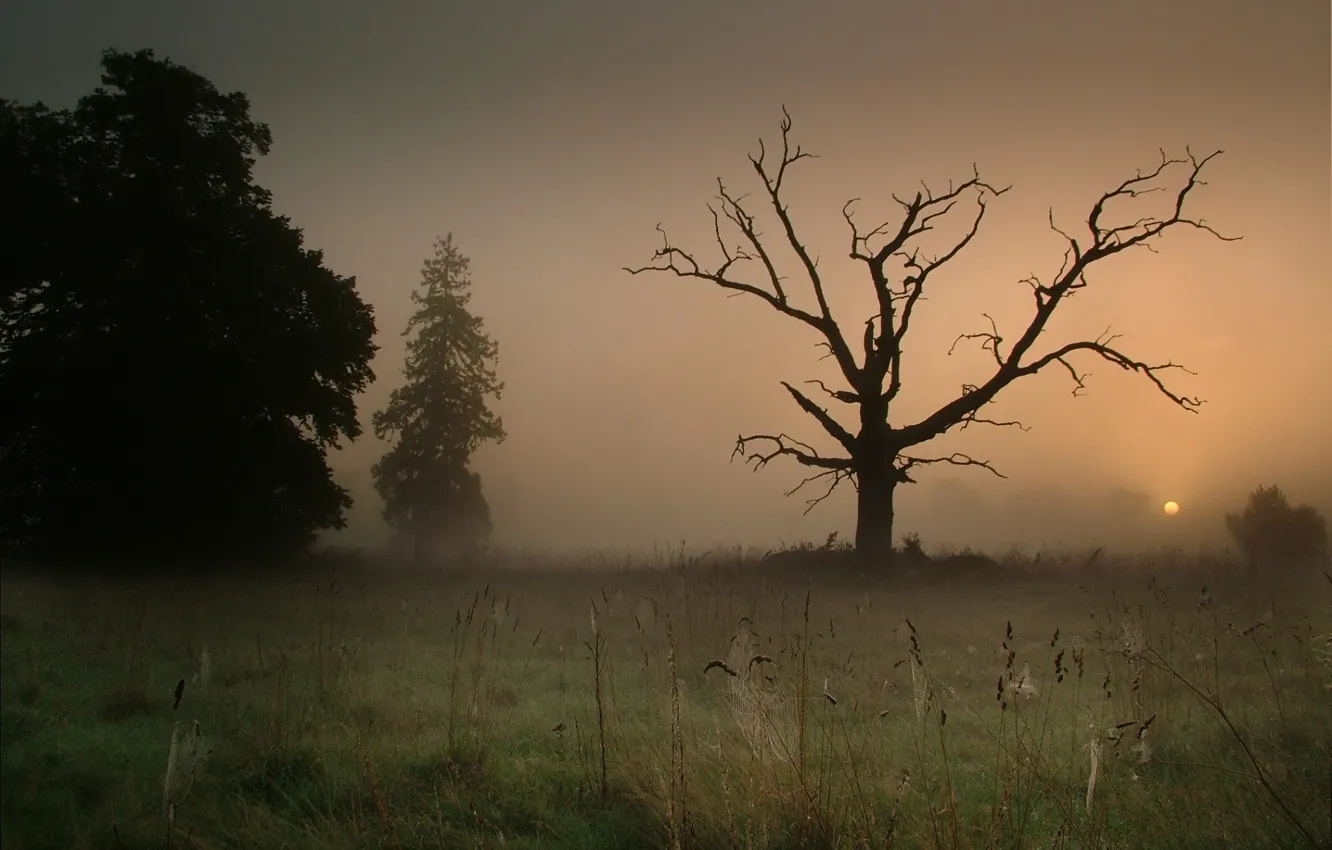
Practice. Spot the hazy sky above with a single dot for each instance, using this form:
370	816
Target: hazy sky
551	138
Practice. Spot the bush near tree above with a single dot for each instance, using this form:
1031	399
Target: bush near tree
1270	529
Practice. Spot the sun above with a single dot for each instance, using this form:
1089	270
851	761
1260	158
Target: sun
1171	508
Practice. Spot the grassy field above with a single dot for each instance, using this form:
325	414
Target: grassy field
694	702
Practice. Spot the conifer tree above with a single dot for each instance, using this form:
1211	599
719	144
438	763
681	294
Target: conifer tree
439	417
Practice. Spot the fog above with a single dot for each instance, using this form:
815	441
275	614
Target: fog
551	138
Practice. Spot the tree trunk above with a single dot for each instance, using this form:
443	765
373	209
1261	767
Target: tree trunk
874	511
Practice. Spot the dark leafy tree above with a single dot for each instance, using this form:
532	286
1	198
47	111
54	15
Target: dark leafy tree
877	453
174	362
1271	530
440	416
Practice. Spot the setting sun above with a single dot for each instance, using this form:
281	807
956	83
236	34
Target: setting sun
1171	508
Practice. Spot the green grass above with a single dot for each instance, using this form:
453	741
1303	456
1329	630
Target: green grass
361	708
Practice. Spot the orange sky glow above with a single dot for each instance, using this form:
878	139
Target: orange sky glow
552	142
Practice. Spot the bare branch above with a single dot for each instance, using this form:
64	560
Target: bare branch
681	263
923	210
990	340
782	445
840	395
905	463
834	469
916	282
1101	347
773	183
834	476
1107	240
1115	239
973	419
745	222
883	359
832	426
858	240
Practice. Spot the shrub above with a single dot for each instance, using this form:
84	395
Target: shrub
1270	529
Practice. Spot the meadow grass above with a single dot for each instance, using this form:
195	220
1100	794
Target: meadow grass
713	701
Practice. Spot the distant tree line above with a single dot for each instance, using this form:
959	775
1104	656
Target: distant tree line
175	363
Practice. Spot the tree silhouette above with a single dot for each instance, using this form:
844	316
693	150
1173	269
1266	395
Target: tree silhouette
440	416
174	363
877	452
1270	529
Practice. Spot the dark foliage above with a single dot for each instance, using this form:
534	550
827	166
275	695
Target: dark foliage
174	362
1270	529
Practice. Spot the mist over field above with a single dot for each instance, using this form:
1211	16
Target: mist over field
606	424
552	139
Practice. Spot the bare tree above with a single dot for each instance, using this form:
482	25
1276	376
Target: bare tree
878	456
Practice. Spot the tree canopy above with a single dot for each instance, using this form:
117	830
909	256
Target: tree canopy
175	362
441	415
